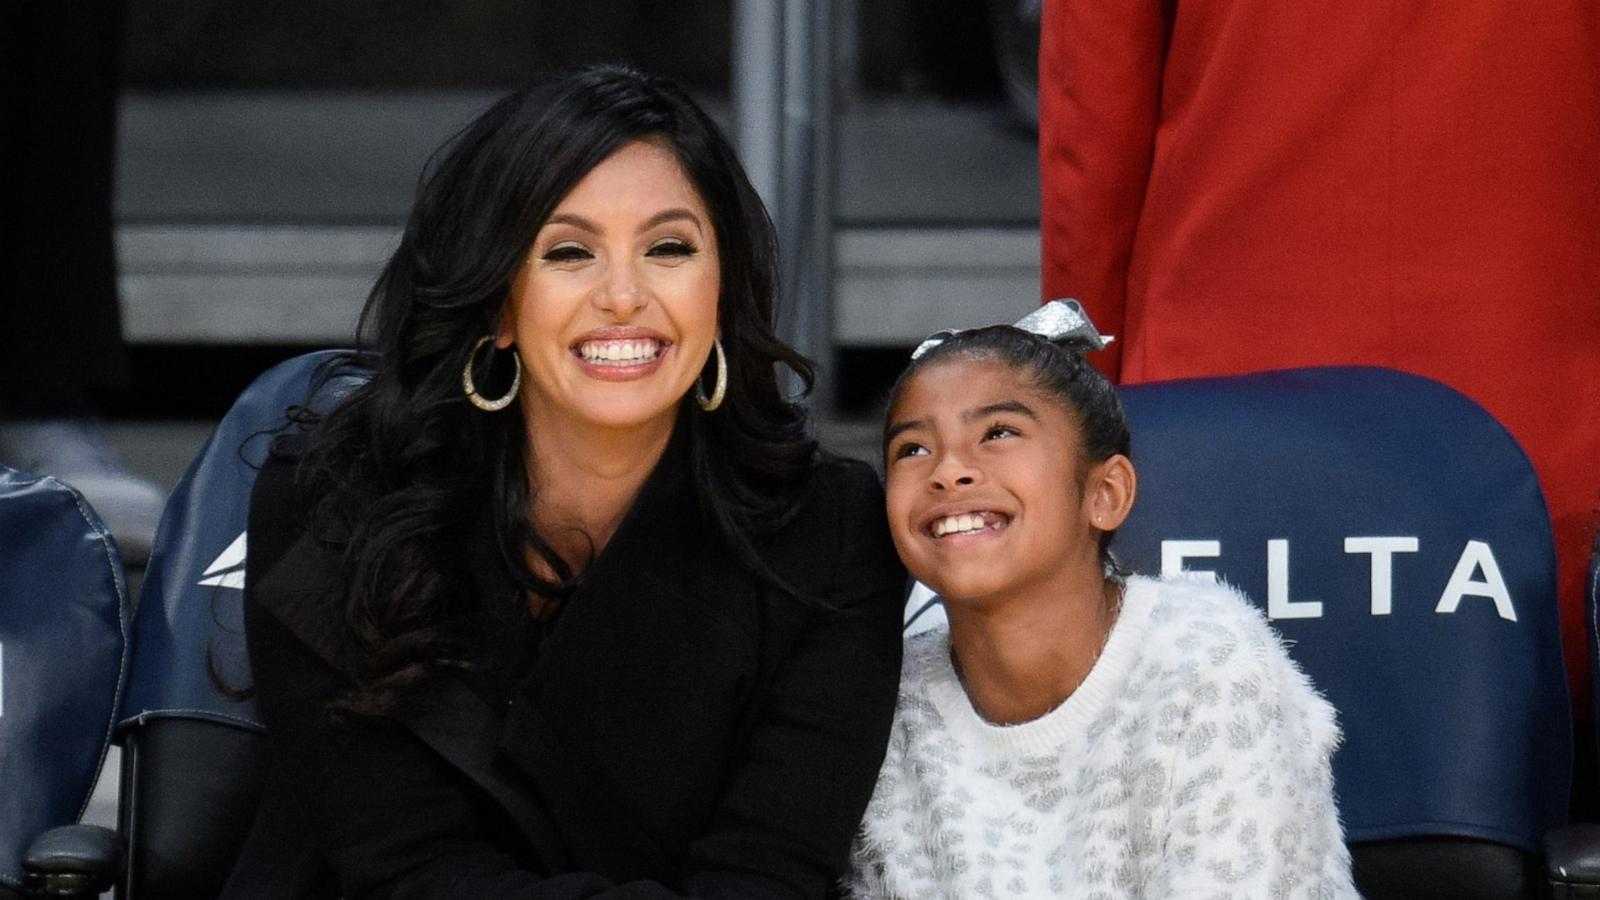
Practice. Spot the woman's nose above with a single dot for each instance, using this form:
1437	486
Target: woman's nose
622	294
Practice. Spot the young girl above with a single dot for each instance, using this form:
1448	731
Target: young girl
1076	732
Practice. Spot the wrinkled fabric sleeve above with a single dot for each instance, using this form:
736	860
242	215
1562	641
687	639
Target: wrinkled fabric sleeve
793	807
392	818
1100	72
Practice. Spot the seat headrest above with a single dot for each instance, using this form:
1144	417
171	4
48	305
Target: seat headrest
190	619
1398	540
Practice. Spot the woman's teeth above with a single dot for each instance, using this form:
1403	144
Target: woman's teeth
619	353
966	523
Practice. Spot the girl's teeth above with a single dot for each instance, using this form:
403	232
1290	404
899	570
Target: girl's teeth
965	523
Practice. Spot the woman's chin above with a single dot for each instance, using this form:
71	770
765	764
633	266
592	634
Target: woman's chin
625	414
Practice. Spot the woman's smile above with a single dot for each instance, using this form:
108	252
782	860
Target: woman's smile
621	353
615	310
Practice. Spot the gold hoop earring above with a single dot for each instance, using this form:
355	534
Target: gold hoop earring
710	404
471	390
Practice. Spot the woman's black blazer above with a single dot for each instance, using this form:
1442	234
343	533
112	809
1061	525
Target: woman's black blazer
683	729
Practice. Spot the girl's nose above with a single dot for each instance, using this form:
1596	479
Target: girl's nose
954	471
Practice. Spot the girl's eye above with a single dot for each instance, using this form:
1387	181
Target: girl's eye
672	247
561	253
999	431
909	449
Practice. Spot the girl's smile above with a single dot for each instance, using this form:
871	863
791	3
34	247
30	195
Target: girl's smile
959	525
985	480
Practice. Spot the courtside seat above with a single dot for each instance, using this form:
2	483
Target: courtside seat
194	753
1395	535
64	615
1591	616
1573	852
194	756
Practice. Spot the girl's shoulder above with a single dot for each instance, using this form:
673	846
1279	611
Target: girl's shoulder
932	716
928	681
1194	618
1209	645
927	656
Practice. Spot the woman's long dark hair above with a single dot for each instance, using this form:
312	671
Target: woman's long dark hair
406	471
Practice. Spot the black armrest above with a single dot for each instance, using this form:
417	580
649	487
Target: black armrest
1459	868
1572	861
73	861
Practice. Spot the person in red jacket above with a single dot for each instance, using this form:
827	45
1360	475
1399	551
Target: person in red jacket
1241	185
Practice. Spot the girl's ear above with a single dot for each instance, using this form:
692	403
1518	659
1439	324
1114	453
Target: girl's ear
1109	492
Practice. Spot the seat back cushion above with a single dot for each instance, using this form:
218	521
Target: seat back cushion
196	751
1396	537
64	616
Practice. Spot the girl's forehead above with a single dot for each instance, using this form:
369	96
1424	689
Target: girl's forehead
963	380
961	393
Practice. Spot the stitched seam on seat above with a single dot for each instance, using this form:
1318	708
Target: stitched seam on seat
124	621
200	714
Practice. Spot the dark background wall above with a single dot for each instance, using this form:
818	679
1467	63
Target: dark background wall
916	50
905	46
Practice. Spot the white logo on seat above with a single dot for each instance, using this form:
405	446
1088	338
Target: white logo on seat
1475	557
227	570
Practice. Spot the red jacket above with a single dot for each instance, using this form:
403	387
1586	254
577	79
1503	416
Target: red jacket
1237	185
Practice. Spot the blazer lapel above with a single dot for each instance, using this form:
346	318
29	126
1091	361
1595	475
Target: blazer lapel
663	526
583	819
454	721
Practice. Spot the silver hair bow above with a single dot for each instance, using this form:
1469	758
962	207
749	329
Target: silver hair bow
1059	322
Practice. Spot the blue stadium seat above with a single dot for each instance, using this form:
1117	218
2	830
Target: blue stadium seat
1573	852
1592	617
193	751
1396	536
64	615
191	604
1398	540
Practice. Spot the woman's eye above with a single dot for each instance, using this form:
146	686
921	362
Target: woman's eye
567	253
999	431
671	248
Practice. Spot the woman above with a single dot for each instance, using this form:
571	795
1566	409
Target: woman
563	602
1076	733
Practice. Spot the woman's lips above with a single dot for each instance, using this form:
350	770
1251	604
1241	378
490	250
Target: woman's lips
620	352
621	355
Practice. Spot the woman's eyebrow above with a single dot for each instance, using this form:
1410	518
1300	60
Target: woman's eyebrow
1004	406
675	214
575	220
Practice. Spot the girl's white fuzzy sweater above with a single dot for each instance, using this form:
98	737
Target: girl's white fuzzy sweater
1193	761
